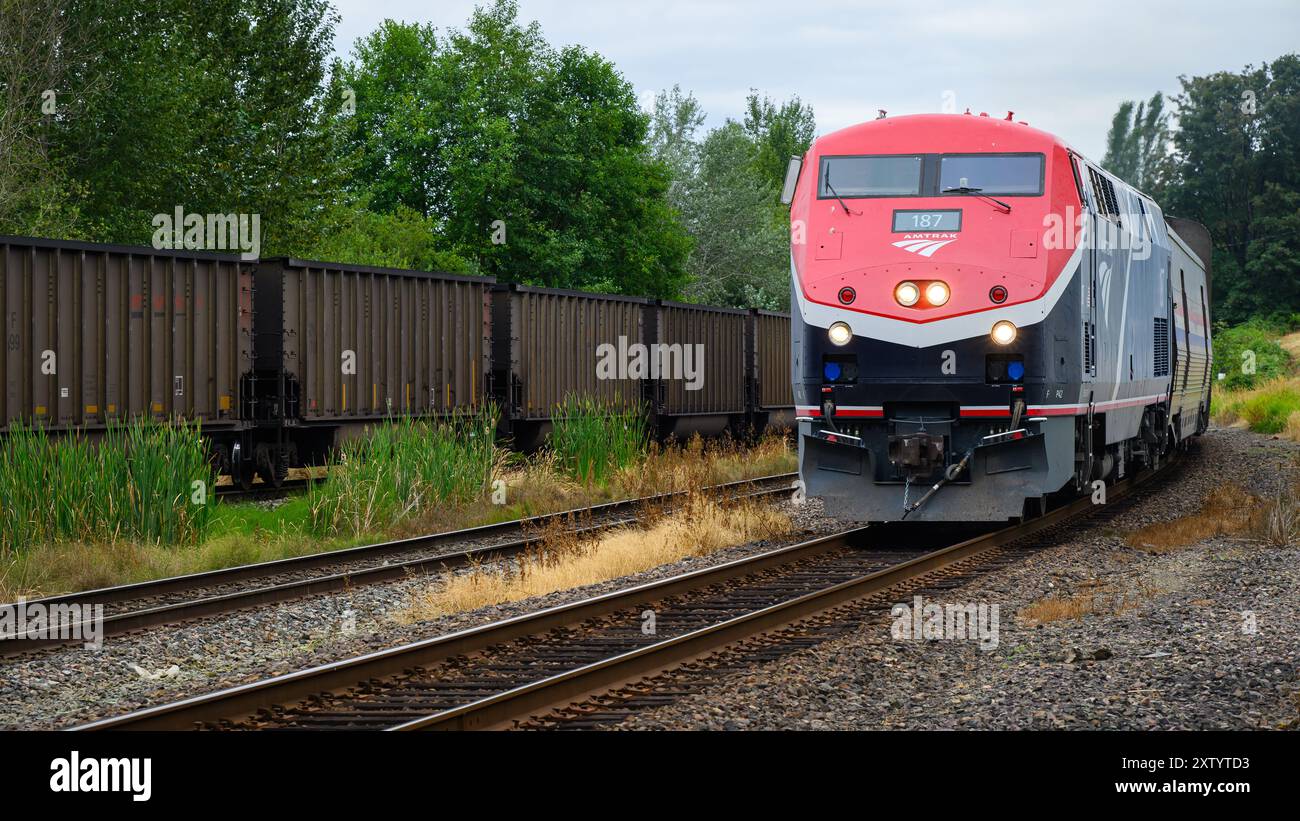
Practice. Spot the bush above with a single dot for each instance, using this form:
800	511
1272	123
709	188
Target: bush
1232	345
1270	410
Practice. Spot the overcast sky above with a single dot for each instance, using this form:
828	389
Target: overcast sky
1063	67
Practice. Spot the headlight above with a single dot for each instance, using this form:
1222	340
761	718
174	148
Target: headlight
936	293
1004	333
907	294
840	333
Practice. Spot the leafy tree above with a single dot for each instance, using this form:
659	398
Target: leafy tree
212	108
676	118
779	131
1236	168
1138	142
528	159
36	197
726	188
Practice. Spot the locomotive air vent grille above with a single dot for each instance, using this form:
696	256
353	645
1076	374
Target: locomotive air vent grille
1162	346
1104	190
1089	361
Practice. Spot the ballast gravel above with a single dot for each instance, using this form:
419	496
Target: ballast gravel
1201	638
72	685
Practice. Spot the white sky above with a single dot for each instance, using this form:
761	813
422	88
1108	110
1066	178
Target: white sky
1063	67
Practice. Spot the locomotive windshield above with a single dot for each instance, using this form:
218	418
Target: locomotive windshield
871	176
900	175
1006	174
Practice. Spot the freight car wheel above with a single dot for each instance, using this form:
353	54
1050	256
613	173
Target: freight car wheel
241	469
272	464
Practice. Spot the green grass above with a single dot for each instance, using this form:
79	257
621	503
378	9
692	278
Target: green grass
136	483
592	440
1269	410
402	469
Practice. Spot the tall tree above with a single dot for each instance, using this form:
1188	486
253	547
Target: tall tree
779	131
215	108
726	188
1138	142
36	197
1235	167
531	160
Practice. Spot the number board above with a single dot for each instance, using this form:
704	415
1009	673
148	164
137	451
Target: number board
931	220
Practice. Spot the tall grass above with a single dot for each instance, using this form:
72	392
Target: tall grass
402	468
1271	408
135	483
592	440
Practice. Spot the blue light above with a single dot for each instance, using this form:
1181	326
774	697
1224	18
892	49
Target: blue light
1016	370
832	371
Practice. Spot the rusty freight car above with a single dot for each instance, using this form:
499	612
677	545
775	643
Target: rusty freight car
340	347
97	334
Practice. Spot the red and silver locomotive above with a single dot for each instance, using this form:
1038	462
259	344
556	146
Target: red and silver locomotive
984	319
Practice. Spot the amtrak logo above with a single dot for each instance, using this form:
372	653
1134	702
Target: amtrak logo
925	244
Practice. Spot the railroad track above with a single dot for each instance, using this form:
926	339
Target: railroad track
567	664
235	493
143	605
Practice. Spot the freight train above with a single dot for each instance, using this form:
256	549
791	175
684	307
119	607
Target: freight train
984	320
281	359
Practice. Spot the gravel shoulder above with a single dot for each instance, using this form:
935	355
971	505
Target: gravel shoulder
1204	637
66	686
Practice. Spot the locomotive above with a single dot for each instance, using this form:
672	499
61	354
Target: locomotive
984	320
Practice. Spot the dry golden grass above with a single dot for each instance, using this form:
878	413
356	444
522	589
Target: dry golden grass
1096	598
1291	344
1058	609
563	562
1228	510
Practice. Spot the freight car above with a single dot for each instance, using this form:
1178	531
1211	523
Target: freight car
98	333
695	368
340	347
549	344
984	319
280	359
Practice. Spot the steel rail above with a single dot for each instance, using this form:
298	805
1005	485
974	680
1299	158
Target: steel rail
128	621
245	701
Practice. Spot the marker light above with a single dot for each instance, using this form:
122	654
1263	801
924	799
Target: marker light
832	371
936	293
1016	371
998	294
847	295
840	333
907	294
1004	333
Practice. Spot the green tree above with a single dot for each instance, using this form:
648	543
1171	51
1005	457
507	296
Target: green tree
1138	142
727	187
36	197
779	131
212	108
530	160
1236	168
741	256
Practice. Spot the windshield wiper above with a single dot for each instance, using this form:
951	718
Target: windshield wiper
830	188
966	189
